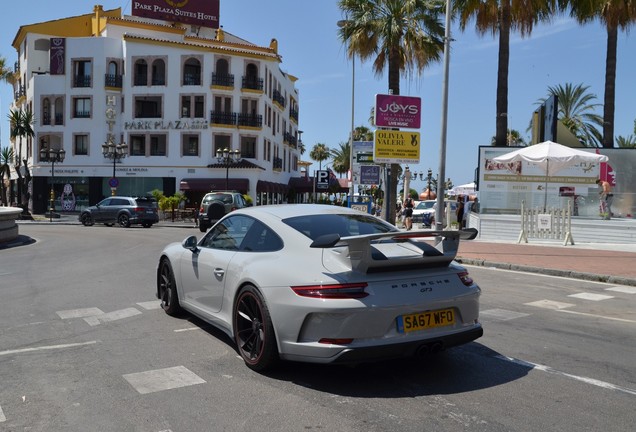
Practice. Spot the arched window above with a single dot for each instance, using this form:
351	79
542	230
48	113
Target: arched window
59	111
192	72
222	67
46	111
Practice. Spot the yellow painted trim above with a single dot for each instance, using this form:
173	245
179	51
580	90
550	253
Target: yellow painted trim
115	89
223	125
191	46
218	87
277	104
78	26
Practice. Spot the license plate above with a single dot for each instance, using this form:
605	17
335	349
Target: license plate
425	320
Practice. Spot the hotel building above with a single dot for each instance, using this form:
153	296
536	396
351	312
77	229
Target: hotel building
170	95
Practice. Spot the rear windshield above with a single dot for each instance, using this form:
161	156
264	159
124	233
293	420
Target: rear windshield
225	198
314	226
146	203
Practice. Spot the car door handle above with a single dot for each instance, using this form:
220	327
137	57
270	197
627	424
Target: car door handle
219	272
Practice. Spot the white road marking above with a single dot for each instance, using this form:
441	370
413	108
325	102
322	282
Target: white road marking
2	417
623	289
586	380
591	296
162	379
502	314
150	305
187	329
549	304
44	348
79	313
597	316
111	316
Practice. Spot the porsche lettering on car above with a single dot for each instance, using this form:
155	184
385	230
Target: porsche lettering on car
322	284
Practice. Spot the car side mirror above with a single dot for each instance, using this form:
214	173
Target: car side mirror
191	244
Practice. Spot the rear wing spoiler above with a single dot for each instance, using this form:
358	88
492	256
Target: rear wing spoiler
360	252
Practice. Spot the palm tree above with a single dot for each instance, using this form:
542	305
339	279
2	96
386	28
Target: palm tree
362	133
6	157
21	123
629	141
6	74
319	153
340	158
576	111
513	139
502	17
402	35
614	14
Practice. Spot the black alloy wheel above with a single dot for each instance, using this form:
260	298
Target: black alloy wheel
87	219
253	330
167	289
123	220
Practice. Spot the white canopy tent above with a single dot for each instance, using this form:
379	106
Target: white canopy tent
551	158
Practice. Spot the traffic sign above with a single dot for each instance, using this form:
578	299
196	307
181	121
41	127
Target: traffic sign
113	182
322	180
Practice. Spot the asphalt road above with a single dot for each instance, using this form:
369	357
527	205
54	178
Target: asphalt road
84	347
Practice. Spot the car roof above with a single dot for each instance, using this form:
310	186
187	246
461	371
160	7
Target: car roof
283	211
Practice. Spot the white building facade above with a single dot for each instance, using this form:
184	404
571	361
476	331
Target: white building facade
172	95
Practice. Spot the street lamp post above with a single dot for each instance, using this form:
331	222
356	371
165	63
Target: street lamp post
116	152
343	24
52	155
227	157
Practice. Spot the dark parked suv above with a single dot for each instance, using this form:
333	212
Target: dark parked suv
215	205
123	210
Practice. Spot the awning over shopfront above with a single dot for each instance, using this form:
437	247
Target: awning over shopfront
306	184
271	187
214	184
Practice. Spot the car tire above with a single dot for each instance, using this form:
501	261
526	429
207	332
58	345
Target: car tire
216	210
167	289
203	227
253	330
123	220
87	219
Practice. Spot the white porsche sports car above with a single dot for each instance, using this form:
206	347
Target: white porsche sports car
322	284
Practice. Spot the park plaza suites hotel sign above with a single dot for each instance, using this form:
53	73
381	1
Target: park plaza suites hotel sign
204	13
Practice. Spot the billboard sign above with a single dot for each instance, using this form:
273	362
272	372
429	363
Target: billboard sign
393	146
370	174
203	13
398	111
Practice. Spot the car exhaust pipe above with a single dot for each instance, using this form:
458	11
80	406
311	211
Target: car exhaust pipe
436	347
422	351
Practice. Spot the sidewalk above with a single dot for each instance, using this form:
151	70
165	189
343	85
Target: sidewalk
611	263
597	262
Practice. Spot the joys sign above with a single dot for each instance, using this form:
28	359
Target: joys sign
398	111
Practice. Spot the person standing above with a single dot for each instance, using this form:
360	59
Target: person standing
408	213
605	196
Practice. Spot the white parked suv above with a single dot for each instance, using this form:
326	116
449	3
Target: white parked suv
424	212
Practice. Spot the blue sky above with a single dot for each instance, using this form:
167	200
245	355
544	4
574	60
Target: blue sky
556	53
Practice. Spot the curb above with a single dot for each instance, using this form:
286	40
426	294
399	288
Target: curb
593	277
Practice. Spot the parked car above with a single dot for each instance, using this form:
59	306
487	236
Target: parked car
322	284
125	211
424	212
215	205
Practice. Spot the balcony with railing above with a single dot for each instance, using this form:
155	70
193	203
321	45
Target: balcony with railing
223	118
191	79
223	80
46	119
290	139
59	119
140	80
277	164
82	114
250	120
293	114
278	98
20	91
16	67
113	80
158	80
252	83
82	81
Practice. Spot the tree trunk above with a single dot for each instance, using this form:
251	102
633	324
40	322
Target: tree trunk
610	87
501	133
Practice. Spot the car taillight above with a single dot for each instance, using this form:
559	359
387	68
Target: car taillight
335	291
138	209
465	278
234	208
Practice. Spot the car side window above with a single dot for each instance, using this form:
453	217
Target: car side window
105	202
260	238
227	235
